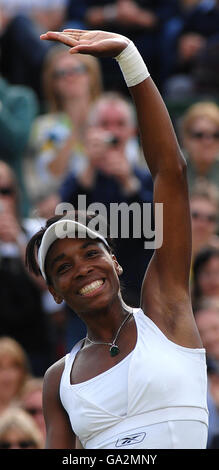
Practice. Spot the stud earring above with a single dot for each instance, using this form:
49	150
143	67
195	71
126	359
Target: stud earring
120	270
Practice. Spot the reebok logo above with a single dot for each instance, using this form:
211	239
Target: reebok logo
131	439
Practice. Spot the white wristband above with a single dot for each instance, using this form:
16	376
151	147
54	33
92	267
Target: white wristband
132	65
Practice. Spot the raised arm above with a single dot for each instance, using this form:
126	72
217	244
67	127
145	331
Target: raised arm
165	290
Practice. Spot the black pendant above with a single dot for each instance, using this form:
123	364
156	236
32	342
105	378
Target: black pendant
114	350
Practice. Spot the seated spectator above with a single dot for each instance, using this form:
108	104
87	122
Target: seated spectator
213	404
22	52
19	431
22	314
204	204
188	42
70	84
205	275
207	319
18	108
200	142
31	402
14	371
175	50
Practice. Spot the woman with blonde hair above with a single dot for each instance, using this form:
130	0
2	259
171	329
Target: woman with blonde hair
200	141
70	85
19	431
14	371
31	401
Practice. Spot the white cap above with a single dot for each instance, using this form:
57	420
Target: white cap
64	228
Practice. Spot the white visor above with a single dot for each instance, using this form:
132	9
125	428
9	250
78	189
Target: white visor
64	228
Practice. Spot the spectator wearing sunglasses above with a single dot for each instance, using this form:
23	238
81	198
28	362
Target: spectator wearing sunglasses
22	315
70	84
207	320
19	431
204	204
205	275
200	141
31	401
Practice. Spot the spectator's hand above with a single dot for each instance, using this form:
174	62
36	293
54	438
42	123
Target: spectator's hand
130	14
96	146
4	19
116	165
9	228
189	46
96	43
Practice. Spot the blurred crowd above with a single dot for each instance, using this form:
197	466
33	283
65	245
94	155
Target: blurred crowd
68	128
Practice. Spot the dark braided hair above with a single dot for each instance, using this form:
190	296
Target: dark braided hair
35	242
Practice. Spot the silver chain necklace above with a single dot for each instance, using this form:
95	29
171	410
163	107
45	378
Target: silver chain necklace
114	349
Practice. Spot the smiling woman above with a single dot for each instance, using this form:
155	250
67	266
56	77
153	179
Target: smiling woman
88	395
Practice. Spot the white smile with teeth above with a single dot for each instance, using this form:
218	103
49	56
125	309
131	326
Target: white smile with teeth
91	287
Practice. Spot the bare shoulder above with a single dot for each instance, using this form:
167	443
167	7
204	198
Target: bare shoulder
53	375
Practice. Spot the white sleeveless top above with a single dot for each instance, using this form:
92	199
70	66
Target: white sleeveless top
158	382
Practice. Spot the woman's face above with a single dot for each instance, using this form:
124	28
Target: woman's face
70	77
11	376
32	403
208	278
202	141
83	274
204	220
208	326
16	438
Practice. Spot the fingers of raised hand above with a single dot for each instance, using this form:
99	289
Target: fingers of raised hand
66	38
98	43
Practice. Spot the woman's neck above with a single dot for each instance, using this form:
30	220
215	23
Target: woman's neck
103	325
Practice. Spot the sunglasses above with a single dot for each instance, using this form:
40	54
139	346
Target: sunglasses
34	411
199	135
7	191
22	444
206	217
68	72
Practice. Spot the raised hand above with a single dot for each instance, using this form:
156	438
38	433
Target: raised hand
96	43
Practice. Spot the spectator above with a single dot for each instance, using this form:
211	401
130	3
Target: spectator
18	108
207	319
200	142
204	204
19	431
189	41
31	401
205	275
71	84
213	404
22	314
22	52
14	371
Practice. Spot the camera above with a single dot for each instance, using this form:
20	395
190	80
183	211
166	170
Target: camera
112	140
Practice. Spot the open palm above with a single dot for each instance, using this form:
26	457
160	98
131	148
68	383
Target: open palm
97	43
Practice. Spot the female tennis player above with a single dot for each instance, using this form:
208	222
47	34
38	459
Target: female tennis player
138	379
